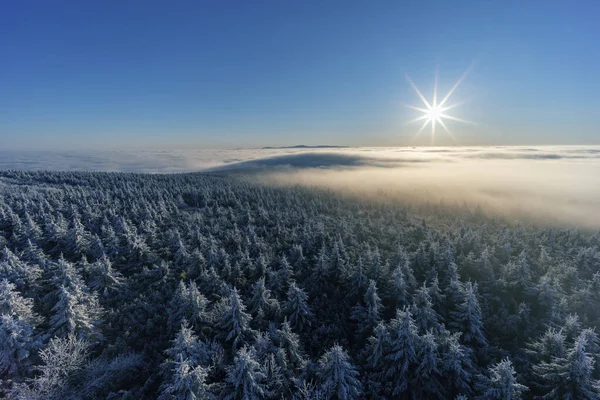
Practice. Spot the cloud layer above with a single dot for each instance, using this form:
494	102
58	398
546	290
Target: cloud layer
558	184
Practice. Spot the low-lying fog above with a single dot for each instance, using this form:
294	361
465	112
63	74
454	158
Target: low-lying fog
557	184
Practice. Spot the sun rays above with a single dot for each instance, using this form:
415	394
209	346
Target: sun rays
434	112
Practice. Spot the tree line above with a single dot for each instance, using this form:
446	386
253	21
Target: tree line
199	286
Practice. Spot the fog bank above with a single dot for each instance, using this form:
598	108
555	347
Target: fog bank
546	183
546	186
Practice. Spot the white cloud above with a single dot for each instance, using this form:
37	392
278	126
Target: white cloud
550	183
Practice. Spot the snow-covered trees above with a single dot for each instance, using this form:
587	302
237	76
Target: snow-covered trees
456	365
296	307
186	346
500	383
189	304
570	376
426	382
262	303
290	343
187	383
17	271
338	376
18	323
62	360
245	378
550	345
104	278
358	281
235	322
468	318
368	314
202	286
76	312
402	351
422	310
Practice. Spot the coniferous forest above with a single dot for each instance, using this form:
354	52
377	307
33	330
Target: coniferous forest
200	286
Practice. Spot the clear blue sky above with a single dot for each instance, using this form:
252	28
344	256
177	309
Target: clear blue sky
249	73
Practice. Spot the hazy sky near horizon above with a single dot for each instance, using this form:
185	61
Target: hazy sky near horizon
232	73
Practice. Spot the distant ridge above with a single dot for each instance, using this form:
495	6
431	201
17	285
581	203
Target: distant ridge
303	146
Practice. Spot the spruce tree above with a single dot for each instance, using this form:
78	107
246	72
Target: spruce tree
296	308
245	379
402	351
572	376
235	322
468	318
500	383
368	314
338	376
187	383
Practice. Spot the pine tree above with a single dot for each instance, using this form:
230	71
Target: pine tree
18	272
14	305
403	262
189	304
377	270
457	365
438	298
76	240
279	278
296	307
96	247
320	273
520	274
212	285
76	313
33	255
290	343
368	314
235	322
338	376
422	309
61	360
65	274
188	382
500	383
550	345
426	382
186	346
273	367
262	304
400	287
468	318
104	278
454	293
338	260
32	230
297	259
179	250
17	332
245	378
358	282
571	377
402	353
376	347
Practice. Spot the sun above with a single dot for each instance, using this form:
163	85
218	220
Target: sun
434	112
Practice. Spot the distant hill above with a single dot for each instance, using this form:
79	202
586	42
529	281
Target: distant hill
303	146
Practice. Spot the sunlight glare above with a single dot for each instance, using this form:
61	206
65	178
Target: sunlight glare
434	113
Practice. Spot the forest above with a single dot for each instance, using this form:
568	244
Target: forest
221	286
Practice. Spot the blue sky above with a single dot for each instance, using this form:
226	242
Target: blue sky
251	73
